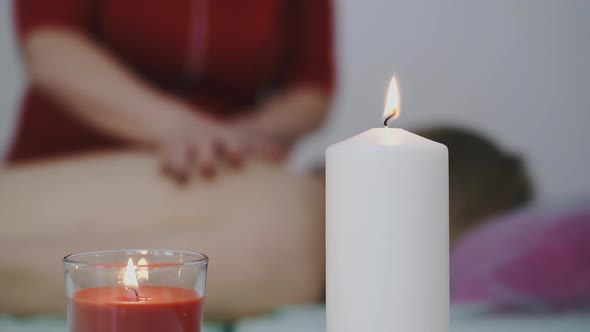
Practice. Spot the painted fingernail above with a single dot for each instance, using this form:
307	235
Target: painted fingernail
181	178
208	172
236	160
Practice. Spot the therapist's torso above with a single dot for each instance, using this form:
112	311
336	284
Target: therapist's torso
218	54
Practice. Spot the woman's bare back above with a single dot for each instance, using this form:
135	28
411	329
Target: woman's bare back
262	227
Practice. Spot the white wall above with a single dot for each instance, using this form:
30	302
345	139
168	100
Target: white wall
517	70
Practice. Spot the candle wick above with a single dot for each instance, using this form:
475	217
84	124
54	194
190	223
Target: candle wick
387	119
134	291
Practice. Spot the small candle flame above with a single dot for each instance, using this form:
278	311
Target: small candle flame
392	102
129	277
142	271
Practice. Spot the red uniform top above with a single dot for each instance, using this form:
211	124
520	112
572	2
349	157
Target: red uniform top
222	54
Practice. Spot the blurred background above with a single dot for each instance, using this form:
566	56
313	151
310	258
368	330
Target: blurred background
514	71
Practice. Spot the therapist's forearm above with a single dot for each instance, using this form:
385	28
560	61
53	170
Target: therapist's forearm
92	84
291	114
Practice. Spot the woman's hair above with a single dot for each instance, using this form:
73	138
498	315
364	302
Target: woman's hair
483	179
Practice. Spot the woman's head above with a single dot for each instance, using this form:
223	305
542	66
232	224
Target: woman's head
484	180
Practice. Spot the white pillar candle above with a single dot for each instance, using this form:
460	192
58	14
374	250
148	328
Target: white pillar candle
387	231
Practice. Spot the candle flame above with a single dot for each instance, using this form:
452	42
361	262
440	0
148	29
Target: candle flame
392	102
129	277
142	271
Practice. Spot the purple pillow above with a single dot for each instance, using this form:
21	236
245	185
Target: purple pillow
538	258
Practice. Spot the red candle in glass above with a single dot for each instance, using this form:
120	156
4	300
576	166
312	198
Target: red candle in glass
106	295
157	309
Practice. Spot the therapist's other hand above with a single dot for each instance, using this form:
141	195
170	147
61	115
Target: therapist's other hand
189	141
258	144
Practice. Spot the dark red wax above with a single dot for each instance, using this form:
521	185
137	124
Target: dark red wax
159	309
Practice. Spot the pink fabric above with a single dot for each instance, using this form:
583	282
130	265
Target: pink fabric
533	259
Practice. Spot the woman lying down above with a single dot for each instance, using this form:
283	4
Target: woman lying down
262	226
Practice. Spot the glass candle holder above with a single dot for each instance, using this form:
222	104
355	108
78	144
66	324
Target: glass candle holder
135	290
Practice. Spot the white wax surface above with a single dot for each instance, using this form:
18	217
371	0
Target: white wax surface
387	233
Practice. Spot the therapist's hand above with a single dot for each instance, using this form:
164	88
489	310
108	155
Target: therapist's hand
258	144
189	142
